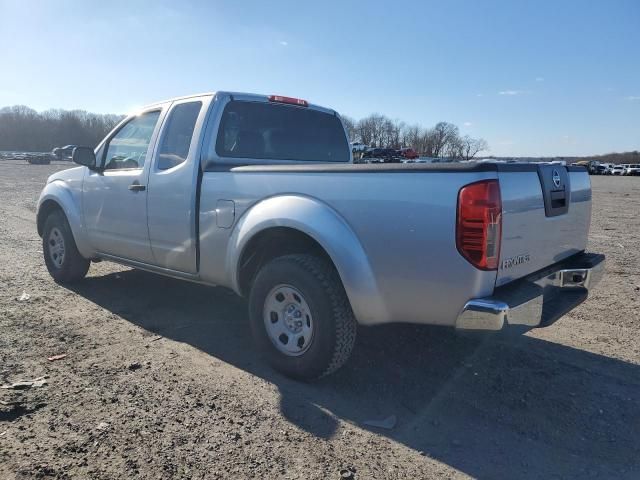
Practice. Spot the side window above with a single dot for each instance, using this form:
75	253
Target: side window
177	137
128	148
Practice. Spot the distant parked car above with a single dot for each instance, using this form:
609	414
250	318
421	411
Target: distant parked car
617	170
600	170
381	155
592	167
608	168
408	153
63	153
358	147
38	159
633	170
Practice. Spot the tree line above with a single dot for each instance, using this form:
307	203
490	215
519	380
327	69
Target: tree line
26	130
616	158
442	140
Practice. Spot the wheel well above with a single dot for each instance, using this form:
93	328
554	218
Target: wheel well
272	243
46	209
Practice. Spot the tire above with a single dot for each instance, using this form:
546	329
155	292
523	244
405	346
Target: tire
323	304
65	264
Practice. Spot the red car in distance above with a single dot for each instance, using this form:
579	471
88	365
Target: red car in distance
409	153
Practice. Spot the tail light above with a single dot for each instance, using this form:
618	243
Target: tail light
289	100
479	224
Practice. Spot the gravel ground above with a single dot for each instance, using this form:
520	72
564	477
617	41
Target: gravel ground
160	379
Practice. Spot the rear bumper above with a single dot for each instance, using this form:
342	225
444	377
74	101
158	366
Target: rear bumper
537	300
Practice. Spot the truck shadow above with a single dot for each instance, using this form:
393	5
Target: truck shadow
488	406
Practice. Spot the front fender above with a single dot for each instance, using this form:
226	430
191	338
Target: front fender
322	223
64	197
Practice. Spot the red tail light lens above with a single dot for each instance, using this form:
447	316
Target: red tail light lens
289	100
479	226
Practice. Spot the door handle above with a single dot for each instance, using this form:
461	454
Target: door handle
136	187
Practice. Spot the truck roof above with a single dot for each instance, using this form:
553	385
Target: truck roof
247	97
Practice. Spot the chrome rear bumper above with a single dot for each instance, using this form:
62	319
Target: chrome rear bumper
537	300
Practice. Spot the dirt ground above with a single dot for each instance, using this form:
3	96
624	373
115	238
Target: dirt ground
161	379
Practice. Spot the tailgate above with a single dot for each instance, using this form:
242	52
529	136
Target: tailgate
546	212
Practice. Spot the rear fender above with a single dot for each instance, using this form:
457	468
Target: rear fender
322	223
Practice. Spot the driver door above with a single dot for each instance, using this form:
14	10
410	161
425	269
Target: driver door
115	197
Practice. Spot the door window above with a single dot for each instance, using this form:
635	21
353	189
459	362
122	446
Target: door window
177	138
128	148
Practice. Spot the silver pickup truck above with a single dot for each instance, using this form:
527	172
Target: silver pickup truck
259	194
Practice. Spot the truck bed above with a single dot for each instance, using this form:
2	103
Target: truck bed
405	224
382	167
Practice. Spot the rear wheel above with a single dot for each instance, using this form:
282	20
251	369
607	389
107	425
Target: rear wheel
300	316
64	262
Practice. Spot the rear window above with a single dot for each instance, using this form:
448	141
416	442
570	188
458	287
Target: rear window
280	132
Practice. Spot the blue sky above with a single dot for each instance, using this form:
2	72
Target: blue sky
532	78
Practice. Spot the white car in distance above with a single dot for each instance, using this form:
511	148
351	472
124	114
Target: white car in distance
633	169
617	170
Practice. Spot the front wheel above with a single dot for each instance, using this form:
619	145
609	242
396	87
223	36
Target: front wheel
301	317
64	262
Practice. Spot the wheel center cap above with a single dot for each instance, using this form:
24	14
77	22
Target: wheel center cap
293	318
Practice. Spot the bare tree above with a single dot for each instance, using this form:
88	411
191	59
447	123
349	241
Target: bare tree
411	137
371	130
470	147
380	131
453	148
350	126
443	134
364	131
395	128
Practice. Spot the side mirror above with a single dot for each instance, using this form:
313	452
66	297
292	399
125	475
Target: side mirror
84	156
